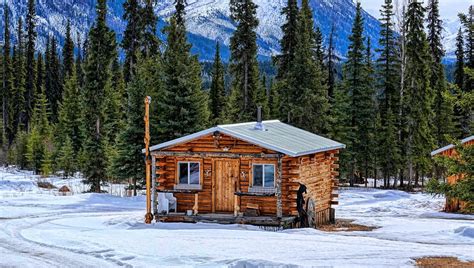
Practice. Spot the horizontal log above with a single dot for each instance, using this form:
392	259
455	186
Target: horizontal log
179	191
253	194
216	154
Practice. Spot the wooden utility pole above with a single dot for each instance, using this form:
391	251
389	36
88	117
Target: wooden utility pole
148	216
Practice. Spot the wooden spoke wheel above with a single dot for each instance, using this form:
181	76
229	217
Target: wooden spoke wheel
311	212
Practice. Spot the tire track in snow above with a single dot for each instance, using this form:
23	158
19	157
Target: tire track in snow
51	255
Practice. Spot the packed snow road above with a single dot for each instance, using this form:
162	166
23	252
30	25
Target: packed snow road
40	229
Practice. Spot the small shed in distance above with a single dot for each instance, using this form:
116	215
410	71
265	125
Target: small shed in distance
263	173
453	204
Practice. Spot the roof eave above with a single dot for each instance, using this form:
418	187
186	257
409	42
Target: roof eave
336	147
451	146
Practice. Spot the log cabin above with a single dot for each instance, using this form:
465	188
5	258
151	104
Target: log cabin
264	173
453	204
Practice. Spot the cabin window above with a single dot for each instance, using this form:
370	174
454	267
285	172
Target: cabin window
189	173
263	175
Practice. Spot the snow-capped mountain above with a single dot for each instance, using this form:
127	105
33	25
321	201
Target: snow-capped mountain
207	21
451	28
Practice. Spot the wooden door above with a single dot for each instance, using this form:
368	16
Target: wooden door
226	175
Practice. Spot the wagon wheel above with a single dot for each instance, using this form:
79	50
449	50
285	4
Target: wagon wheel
310	211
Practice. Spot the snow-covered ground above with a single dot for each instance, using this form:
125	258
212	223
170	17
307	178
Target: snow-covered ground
39	228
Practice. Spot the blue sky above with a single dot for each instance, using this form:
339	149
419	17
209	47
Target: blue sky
449	8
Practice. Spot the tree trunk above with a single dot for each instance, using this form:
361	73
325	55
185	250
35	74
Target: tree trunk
135	187
417	177
401	178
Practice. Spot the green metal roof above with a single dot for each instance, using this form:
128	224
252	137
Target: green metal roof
275	135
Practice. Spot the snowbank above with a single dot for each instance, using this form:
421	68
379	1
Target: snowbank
105	230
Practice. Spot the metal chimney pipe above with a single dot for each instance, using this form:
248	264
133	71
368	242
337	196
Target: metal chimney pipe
259	114
259	125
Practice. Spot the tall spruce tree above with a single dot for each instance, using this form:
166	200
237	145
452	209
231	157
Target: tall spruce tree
308	101
53	79
243	60
150	43
39	139
7	81
69	120
100	55
128	162
443	115
140	34
68	53
366	121
19	109
217	95
418	96
331	63
289	39
39	83
132	36
459	66
355	75
467	119
30	89
388	78
183	105
318	46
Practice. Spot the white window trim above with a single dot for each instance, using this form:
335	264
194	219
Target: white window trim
188	185
263	176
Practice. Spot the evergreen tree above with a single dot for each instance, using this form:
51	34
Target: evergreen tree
459	67
356	84
217	92
53	79
19	109
340	129
289	39
100	55
467	120
319	47
39	83
114	104
243	60
69	119
30	89
132	36
274	100
308	102
418	96
388	77
442	132
68	53
128	163
150	43
66	159
140	34
365	119
78	64
331	61
39	143
183	105
8	83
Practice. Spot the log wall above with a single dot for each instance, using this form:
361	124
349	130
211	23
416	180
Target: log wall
454	204
317	172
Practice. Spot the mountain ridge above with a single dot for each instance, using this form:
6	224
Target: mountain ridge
208	21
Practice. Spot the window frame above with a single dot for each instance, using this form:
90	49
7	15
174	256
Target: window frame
178	170
263	176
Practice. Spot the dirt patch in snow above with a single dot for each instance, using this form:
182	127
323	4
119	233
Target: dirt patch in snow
434	262
45	185
342	225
